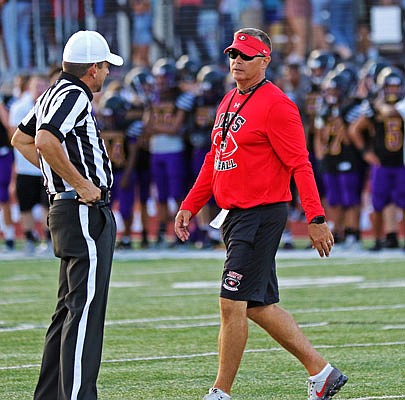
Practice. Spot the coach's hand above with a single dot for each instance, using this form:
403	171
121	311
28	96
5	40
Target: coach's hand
321	238
181	223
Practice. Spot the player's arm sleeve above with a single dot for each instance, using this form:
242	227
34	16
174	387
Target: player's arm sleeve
201	191
288	140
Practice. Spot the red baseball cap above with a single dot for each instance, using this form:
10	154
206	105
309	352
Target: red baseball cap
248	45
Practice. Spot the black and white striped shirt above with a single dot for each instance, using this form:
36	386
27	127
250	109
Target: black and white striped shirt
65	110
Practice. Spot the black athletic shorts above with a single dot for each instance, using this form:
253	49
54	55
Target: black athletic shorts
30	191
251	237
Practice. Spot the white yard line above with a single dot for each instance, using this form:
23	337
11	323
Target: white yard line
376	397
217	323
211	354
393	283
351	345
362	256
348	308
27	326
392	327
16	301
351	256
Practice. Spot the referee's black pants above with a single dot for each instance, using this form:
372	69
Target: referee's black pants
83	238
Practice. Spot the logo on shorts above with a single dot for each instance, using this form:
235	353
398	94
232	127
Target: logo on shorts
232	281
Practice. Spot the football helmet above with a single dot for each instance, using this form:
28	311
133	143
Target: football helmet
391	81
113	111
350	76
139	78
187	69
319	63
165	71
369	72
212	80
337	86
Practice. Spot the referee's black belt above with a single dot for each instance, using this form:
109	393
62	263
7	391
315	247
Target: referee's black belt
73	195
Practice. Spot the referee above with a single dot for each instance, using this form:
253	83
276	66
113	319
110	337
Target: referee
60	135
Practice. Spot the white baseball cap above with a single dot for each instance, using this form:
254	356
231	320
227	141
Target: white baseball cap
85	47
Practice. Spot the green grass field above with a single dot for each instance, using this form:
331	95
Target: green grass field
162	326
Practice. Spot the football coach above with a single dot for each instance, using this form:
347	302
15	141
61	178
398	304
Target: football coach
258	144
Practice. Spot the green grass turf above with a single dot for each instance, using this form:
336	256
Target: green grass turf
160	338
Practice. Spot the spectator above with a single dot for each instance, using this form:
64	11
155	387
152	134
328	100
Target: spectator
251	13
273	15
320	24
16	21
298	14
187	15
208	27
343	27
105	12
142	32
228	14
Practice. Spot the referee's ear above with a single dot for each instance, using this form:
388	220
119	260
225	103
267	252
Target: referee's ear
93	71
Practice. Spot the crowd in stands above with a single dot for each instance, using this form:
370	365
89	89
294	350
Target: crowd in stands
156	119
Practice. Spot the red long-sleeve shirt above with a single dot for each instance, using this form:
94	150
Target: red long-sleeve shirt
265	146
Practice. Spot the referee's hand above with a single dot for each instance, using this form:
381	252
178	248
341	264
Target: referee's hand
89	193
181	224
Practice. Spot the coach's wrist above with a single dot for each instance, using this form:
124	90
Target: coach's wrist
319	219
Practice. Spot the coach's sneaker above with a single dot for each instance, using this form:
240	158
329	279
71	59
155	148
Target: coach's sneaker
216	394
326	384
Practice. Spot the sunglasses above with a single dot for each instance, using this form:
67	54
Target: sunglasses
234	54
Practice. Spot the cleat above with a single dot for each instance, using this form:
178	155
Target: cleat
390	243
144	241
29	248
377	246
216	394
124	245
288	246
9	245
352	245
325	390
144	244
45	249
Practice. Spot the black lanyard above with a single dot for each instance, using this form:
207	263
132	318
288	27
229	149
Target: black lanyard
225	128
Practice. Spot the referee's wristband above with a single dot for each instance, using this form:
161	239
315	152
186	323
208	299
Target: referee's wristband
320	219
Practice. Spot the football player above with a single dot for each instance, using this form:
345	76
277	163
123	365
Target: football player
383	147
113	109
341	165
166	126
